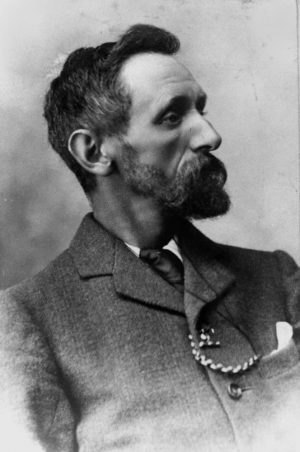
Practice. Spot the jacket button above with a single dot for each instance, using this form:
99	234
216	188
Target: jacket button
235	391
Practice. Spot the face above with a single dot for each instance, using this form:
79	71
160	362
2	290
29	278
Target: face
165	153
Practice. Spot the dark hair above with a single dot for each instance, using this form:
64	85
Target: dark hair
88	94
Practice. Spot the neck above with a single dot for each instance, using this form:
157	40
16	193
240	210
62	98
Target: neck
132	218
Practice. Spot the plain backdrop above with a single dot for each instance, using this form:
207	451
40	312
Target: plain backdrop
244	54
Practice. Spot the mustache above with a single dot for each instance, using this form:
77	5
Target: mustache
201	171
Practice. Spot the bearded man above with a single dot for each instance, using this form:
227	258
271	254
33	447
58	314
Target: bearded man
144	335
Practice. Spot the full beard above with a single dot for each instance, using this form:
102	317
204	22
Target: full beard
196	191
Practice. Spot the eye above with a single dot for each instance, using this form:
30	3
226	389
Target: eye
201	109
172	118
201	104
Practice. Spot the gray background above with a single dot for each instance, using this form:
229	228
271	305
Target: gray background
244	54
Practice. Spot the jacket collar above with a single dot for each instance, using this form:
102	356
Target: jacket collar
93	249
96	252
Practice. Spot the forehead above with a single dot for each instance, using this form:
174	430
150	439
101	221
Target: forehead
153	79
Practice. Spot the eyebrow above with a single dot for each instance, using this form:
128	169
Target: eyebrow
181	103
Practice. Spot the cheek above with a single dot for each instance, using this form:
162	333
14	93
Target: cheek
164	152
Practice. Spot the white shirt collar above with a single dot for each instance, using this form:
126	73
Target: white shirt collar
171	246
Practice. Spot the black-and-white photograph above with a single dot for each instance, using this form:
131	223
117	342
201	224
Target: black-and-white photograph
150	226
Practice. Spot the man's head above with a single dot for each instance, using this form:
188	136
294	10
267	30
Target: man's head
88	94
130	107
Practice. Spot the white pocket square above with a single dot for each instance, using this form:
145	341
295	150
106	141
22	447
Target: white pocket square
284	333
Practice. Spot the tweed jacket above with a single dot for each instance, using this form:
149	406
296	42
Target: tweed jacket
96	355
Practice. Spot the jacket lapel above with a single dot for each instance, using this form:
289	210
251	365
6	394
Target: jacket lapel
135	279
206	278
96	252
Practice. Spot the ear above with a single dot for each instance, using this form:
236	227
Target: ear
89	153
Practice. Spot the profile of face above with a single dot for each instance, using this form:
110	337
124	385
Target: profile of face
166	150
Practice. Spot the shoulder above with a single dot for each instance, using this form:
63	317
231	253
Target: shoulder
249	257
276	262
21	309
239	260
37	286
272	273
25	311
258	267
54	277
28	309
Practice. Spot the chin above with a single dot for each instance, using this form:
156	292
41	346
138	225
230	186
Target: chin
205	205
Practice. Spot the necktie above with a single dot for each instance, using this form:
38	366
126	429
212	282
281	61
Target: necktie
167	264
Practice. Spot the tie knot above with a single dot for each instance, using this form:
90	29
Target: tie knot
167	264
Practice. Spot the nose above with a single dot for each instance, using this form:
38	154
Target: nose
203	135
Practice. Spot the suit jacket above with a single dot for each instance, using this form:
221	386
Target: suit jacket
95	354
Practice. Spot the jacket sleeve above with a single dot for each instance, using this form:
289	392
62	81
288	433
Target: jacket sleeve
35	414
